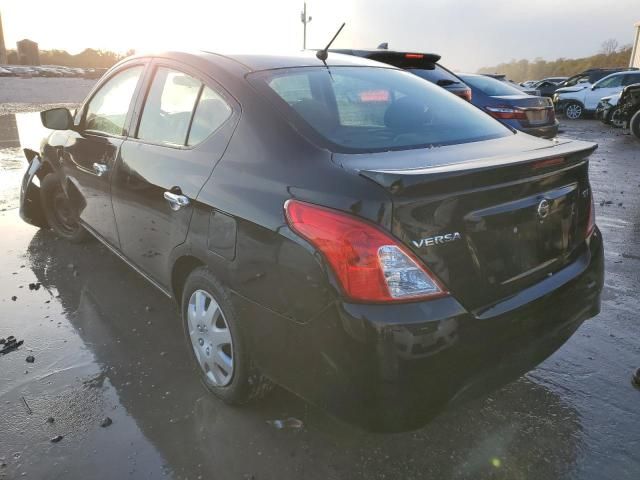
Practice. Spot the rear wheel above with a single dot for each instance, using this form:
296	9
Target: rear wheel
634	124
217	343
614	118
61	215
573	110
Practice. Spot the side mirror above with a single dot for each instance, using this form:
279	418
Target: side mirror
57	119
593	87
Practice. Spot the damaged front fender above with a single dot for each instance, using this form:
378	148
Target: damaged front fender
30	203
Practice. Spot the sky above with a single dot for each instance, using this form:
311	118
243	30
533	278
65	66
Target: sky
468	34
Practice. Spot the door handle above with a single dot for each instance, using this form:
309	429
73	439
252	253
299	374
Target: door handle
176	200
100	169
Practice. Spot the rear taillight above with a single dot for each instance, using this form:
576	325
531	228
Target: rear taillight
591	222
369	264
466	94
507	113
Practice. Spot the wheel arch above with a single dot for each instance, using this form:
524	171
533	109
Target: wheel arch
182	268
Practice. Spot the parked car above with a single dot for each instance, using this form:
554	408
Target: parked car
424	65
607	111
581	99
504	79
589	77
546	87
629	108
342	228
22	71
529	83
5	72
556	80
529	114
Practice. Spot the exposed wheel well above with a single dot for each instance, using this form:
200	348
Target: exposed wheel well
181	270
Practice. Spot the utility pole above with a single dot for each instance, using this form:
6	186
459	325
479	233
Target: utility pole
304	19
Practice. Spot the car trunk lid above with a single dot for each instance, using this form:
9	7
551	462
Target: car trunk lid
487	218
536	111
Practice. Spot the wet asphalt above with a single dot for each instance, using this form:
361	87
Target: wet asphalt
107	344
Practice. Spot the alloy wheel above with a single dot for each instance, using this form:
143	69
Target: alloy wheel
615	118
573	111
210	338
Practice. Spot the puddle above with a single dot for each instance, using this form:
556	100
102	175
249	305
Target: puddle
17	131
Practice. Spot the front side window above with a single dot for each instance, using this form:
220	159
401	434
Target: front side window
374	109
169	106
107	110
610	82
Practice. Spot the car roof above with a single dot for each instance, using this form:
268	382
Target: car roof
252	62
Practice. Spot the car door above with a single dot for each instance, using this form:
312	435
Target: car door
91	150
605	87
182	130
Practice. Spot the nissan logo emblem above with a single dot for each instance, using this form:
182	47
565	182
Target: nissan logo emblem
544	207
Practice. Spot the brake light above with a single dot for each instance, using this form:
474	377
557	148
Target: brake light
414	55
507	113
370	265
466	94
591	222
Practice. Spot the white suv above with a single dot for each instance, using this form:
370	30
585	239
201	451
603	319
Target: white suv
581	99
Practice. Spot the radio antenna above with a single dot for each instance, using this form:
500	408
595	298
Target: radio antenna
324	53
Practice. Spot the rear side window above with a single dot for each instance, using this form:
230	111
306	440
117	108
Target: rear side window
632	78
107	110
180	110
212	111
169	107
374	109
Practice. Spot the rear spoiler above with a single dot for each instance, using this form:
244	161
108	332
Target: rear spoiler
562	156
397	59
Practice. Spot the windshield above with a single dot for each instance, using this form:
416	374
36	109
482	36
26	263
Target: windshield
375	109
490	86
437	75
574	80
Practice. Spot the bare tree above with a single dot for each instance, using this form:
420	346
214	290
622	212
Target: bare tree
609	46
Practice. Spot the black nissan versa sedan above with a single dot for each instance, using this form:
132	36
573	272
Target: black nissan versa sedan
343	229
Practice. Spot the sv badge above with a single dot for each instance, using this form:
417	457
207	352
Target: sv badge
437	240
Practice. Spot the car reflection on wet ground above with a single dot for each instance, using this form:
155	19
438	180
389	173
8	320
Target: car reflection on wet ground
107	344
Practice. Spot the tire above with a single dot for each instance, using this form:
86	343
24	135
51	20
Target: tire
573	110
217	345
59	211
614	119
634	124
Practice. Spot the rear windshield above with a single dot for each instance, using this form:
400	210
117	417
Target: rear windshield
374	109
490	86
437	75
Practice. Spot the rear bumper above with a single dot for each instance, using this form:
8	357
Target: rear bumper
395	367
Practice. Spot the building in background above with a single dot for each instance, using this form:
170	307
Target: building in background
28	53
3	50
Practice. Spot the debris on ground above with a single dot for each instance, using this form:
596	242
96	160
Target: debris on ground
9	344
106	421
56	439
51	420
636	378
26	406
30	359
35	286
287	423
14	298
